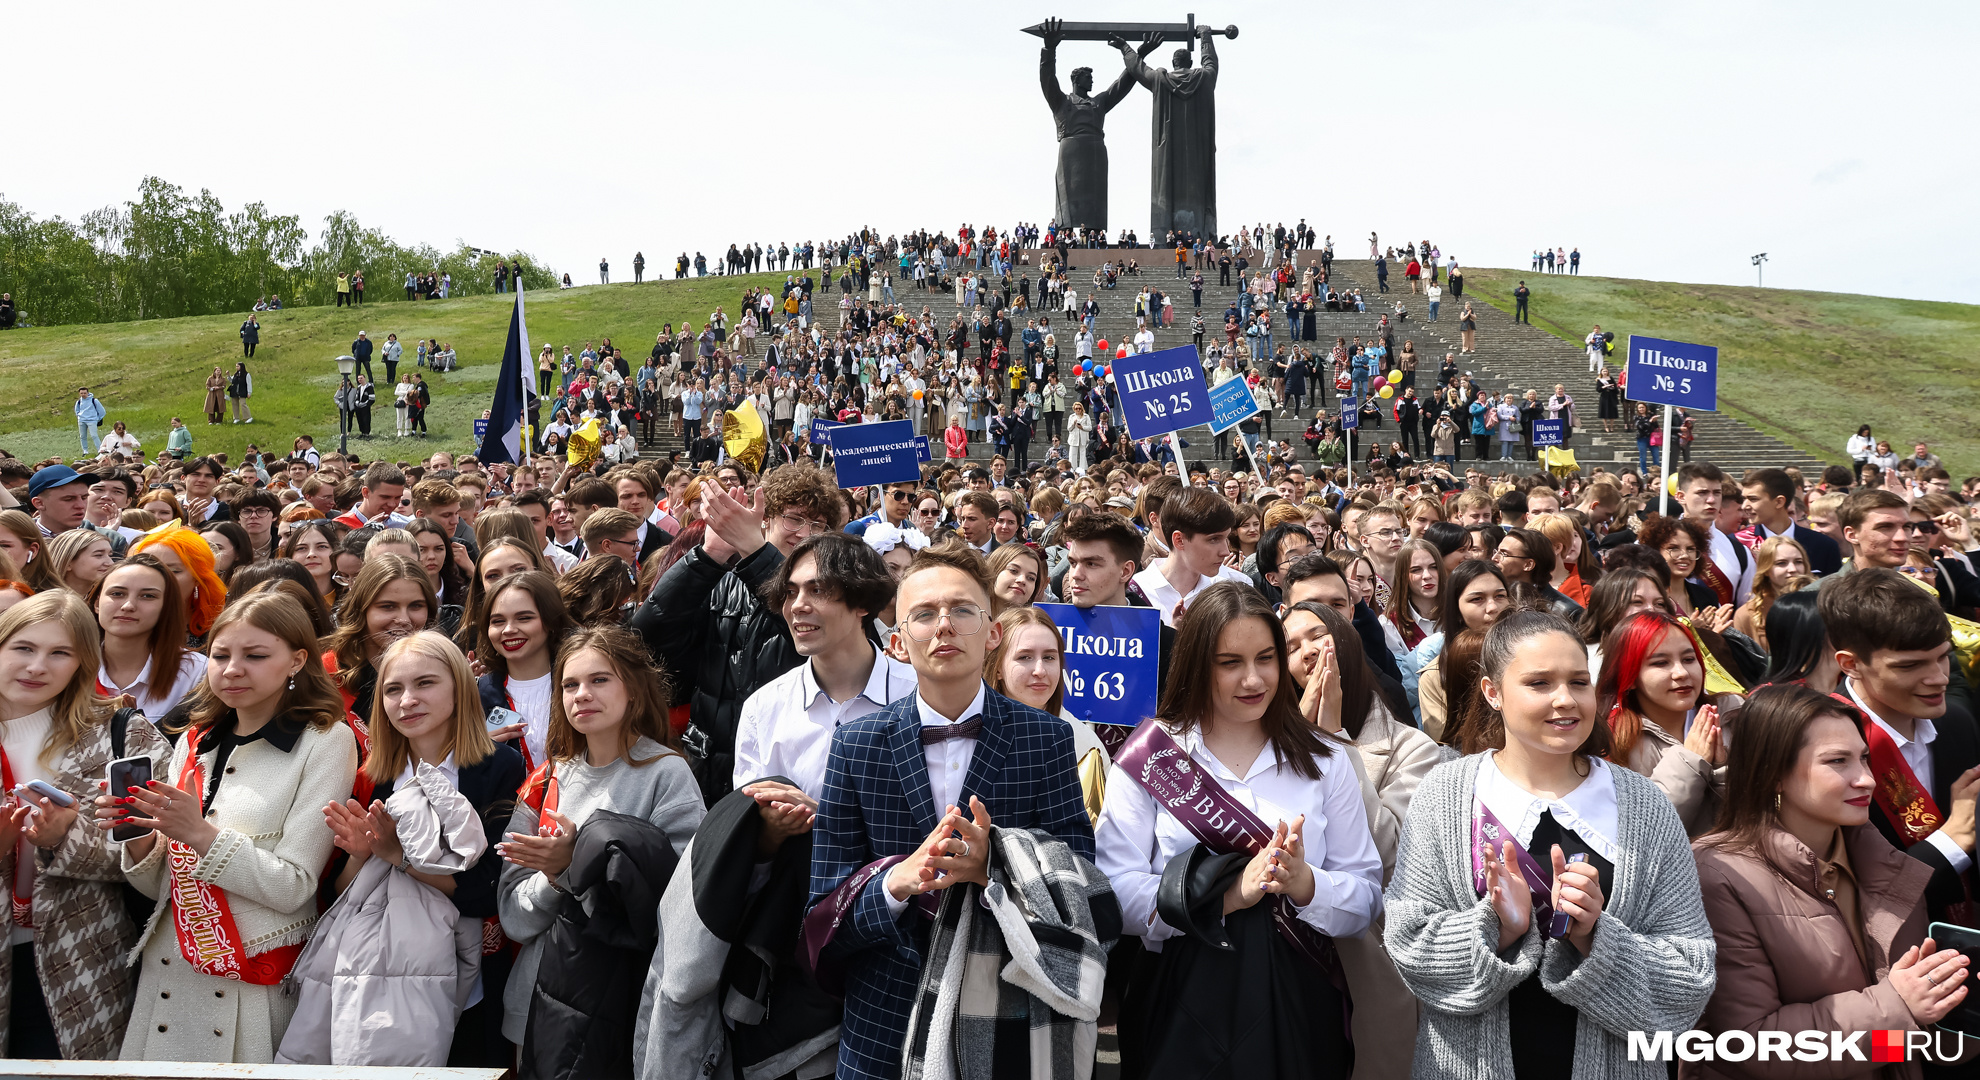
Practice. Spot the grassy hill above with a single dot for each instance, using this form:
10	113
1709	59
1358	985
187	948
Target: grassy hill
148	372
1807	367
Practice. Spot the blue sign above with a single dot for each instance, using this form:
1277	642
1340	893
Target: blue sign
1550	432
481	428
1350	413
1673	373
820	431
1162	391
1110	658
1231	401
870	454
921	452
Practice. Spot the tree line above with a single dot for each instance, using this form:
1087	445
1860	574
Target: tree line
167	254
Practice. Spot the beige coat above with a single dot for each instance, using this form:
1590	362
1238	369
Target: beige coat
269	857
83	933
1394	760
1695	786
1785	959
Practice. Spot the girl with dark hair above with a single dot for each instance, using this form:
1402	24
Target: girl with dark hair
1822	923
1526	557
1450	539
1261	986
1416	597
522	623
253	576
599	592
1528	868
1653	690
1340	697
1802	652
1621	593
231	548
314	545
143	620
607	751
1474	598
1683	543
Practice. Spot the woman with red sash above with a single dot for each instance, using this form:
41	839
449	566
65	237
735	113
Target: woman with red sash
238	843
522	622
64	982
1545	902
1236	840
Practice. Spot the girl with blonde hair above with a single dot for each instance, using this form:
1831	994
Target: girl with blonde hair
1779	565
78	559
71	985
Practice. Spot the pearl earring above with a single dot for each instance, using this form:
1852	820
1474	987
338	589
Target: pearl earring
292	682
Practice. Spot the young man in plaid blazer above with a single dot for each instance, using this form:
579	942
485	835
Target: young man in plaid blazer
910	795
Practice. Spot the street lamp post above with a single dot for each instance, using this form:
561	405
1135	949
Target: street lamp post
346	366
1760	268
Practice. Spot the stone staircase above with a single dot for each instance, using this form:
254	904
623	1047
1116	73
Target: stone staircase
1511	356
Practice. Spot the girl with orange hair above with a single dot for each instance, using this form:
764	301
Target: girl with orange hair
190	559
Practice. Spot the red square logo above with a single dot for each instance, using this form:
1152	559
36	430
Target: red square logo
1887	1046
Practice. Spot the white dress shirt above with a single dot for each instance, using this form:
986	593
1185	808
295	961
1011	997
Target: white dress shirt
786	726
531	700
156	699
948	764
1136	838
1165	597
1589	811
1917	753
1727	559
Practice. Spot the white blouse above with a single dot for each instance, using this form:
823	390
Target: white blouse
1136	838
1589	810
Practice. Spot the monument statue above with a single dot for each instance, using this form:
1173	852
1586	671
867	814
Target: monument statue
1081	181
1182	192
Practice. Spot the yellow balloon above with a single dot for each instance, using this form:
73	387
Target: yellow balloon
1388	391
1395	376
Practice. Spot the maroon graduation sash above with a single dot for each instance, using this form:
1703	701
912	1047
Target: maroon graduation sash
1221	823
1488	830
1910	808
1715	577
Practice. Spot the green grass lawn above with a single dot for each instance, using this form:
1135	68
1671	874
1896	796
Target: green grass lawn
148	372
1807	367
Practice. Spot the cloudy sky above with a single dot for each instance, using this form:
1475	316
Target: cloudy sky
1669	140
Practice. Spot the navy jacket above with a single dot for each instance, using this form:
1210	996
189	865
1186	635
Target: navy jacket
877	802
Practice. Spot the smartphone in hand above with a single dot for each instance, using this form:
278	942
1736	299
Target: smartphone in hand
47	791
125	774
501	717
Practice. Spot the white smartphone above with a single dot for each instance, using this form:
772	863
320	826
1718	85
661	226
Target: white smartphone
47	791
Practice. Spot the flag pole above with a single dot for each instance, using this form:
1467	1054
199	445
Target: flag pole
522	372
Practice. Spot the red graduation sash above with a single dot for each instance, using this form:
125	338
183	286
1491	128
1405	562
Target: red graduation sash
24	860
1412	634
202	919
1907	805
1715	577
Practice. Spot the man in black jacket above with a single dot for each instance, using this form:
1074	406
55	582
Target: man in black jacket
1767	495
706	620
361	352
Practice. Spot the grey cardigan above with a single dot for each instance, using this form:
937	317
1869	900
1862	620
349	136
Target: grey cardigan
1651	966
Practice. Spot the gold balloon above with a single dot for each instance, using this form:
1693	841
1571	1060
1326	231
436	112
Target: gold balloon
743	436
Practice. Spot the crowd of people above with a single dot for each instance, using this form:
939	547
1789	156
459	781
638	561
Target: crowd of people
608	763
618	767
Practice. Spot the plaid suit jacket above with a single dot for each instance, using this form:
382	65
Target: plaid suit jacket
877	803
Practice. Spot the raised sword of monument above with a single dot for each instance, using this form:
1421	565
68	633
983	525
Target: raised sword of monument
1185	31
